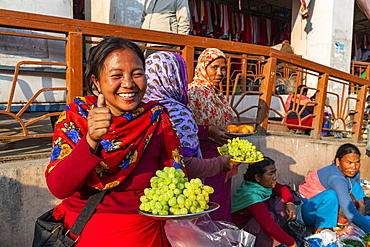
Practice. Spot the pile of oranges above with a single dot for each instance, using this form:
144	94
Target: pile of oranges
243	129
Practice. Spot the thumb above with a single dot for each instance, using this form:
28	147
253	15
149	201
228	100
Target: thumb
101	101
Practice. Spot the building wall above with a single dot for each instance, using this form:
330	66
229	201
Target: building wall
326	36
24	195
16	49
117	12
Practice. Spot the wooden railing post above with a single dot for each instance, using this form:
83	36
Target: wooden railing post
74	73
244	71
188	55
267	87
318	111
358	117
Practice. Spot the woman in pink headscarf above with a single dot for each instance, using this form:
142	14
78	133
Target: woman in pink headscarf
210	108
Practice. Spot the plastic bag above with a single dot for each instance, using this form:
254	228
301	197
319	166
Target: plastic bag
358	240
297	229
352	230
325	238
203	232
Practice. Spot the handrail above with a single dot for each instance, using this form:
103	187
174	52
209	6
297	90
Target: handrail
78	31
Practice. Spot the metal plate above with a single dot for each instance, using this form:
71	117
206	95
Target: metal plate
212	207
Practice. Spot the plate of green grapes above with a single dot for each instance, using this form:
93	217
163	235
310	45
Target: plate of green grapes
172	196
242	151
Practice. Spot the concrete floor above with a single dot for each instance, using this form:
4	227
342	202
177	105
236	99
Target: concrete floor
21	149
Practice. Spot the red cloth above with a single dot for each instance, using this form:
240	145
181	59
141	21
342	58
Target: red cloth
62	182
107	229
222	194
260	212
124	144
295	121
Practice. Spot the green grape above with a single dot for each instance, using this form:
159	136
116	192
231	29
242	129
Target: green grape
192	197
199	210
184	211
143	199
180	186
163	212
142	206
171	186
158	206
180	201
186	192
172	201
200	197
155	197
147	207
147	191
188	203
242	150
172	193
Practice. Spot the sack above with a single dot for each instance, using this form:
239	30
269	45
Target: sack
50	232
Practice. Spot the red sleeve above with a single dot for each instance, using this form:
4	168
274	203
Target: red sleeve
203	132
72	171
283	192
203	168
263	216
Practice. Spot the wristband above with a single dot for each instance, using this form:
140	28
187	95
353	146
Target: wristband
291	203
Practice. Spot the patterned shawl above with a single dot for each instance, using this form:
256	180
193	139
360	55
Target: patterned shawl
123	145
168	84
208	104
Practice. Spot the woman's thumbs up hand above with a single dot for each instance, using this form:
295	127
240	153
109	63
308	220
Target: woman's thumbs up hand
98	122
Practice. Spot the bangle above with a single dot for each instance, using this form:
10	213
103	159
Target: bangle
291	203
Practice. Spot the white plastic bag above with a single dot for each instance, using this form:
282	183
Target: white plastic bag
204	232
327	239
349	237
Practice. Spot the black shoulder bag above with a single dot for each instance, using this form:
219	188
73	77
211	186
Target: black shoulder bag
50	232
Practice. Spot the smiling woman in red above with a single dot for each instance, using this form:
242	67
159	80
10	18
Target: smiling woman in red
115	143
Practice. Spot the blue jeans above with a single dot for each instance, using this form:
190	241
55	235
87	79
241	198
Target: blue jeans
321	211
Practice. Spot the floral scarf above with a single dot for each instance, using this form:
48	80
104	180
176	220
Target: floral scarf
248	194
208	104
123	145
168	84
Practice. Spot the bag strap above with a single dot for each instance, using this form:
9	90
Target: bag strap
85	214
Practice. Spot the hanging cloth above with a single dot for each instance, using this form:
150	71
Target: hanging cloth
303	11
268	29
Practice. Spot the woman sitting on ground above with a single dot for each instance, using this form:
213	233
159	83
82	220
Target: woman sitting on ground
332	187
302	105
261	204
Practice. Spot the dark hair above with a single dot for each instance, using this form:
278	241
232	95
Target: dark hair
347	148
99	53
304	91
258	168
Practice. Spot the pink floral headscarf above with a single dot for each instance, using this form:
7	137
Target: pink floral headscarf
208	104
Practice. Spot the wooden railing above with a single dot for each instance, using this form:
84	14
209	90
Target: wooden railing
253	74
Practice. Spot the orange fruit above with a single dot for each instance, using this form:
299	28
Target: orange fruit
232	128
243	130
250	128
